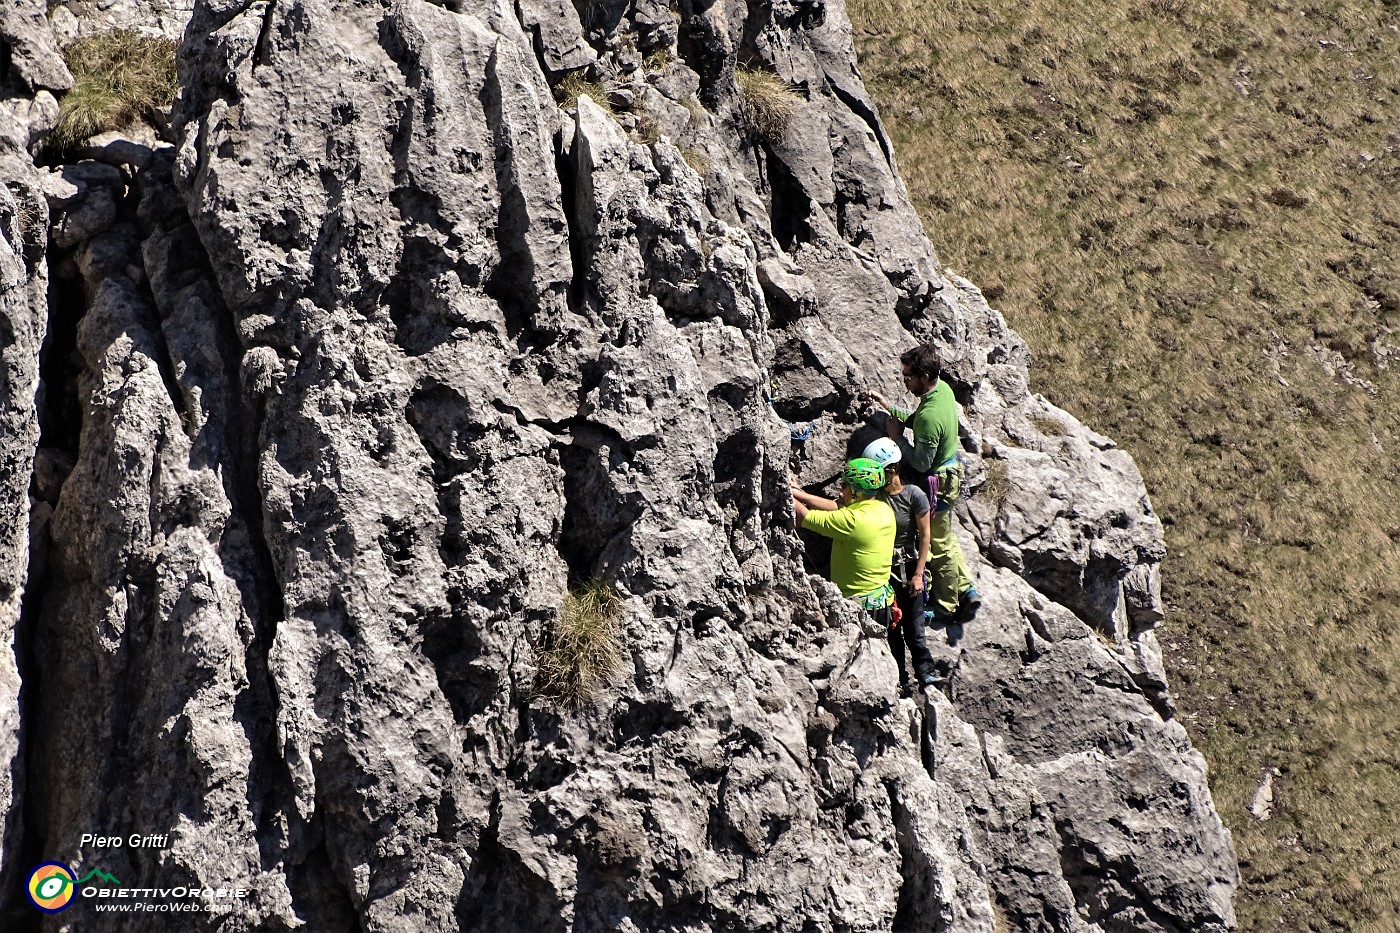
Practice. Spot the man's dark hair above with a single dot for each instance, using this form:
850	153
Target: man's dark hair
923	360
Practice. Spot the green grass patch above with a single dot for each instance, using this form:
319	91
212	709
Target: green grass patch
585	648
118	77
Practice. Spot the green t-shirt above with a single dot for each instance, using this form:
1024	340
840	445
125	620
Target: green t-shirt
862	544
935	425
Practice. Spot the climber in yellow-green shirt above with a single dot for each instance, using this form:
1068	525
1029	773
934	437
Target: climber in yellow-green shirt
862	536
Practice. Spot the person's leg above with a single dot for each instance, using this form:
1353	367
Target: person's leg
946	563
896	639
915	638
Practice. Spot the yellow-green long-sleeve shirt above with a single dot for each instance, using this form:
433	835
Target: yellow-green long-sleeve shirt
862	544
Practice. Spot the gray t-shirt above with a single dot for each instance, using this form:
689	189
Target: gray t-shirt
908	504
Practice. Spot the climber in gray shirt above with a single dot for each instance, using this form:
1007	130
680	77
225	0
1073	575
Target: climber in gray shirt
911	549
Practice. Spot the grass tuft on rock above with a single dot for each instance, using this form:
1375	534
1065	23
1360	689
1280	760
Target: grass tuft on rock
698	160
658	61
118	77
648	131
585	648
996	485
576	85
767	104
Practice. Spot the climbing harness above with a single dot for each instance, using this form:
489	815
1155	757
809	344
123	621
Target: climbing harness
935	480
879	598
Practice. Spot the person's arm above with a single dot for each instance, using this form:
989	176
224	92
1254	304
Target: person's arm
799	508
916	583
813	501
896	414
923	454
894	428
836	524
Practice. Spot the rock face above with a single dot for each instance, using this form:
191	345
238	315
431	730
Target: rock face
341	393
33	72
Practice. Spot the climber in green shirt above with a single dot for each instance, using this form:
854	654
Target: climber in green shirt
934	462
862	535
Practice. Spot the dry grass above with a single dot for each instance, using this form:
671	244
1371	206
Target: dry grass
766	104
697	159
648	130
585	648
118	77
28	217
1183	206
576	84
699	116
658	61
996	484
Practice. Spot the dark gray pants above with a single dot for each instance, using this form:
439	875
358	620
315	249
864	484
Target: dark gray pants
910	633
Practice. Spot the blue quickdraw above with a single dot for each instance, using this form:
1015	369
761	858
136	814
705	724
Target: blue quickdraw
799	432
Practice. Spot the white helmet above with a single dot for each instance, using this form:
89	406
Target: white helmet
883	451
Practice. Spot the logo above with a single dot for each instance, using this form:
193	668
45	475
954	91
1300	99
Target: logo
100	876
51	887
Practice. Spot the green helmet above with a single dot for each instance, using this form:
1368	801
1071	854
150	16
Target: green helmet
864	475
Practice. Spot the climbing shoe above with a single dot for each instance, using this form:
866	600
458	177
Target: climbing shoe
969	601
939	619
943	683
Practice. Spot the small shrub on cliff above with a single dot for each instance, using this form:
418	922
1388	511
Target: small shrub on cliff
585	648
766	104
118	77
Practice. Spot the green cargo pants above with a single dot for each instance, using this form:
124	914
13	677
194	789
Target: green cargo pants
946	564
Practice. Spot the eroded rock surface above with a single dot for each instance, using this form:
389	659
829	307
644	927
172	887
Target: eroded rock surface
350	384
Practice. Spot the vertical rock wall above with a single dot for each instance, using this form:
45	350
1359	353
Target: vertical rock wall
388	350
32	72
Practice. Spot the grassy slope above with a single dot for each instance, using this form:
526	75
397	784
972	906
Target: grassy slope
1191	211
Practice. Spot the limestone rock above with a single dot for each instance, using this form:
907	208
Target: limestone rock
23	320
77	19
350	386
32	51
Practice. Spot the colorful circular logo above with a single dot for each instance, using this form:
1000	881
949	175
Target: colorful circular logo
51	887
